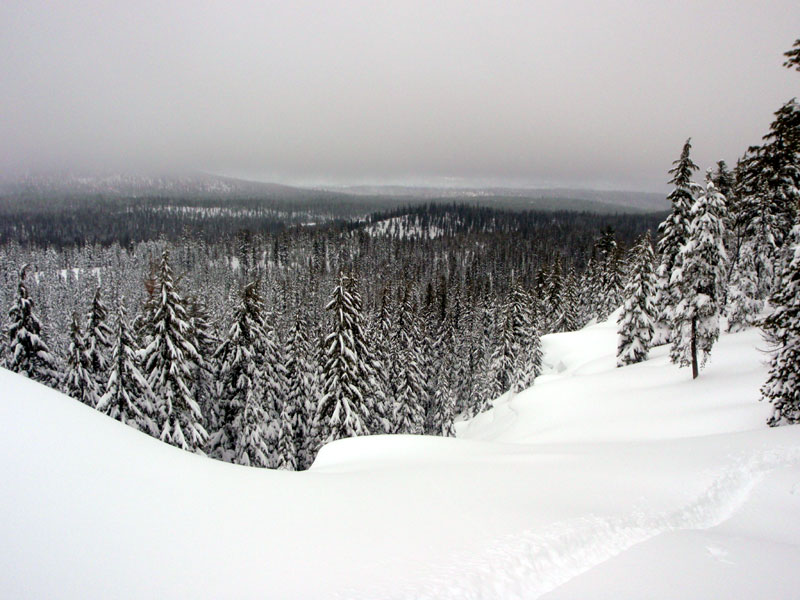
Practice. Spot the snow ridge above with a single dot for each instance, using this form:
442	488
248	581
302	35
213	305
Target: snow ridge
532	563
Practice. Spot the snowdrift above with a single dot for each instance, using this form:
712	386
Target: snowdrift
597	482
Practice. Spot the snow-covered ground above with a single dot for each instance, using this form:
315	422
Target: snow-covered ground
596	483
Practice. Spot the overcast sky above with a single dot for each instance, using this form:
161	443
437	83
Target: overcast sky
595	93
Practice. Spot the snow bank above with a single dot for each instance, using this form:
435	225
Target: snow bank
597	482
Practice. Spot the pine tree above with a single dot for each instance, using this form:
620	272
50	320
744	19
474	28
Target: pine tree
344	408
28	353
287	451
78	381
169	358
699	280
674	232
204	340
275	385
297	408
556	303
410	394
793	56
743	303
97	341
127	396
611	278
771	190
517	360
782	329
635	322
443	404
388	361
242	437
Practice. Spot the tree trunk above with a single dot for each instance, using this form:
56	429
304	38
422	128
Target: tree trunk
695	372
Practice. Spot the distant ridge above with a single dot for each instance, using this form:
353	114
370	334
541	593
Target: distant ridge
537	198
206	186
185	185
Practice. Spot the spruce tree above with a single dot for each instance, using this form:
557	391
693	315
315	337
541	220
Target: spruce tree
28	353
674	232
98	342
78	382
517	359
635	322
127	396
410	395
344	408
771	191
286	449
242	437
793	56
274	385
743	303
699	281
169	358
298	408
782	330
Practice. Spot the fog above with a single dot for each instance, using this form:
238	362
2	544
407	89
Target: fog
594	94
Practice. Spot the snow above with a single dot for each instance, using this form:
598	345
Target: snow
597	482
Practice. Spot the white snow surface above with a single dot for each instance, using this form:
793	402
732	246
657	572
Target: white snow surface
597	482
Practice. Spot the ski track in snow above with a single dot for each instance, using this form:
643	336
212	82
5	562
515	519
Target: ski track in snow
532	563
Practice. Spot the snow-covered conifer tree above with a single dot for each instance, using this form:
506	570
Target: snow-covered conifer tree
28	353
78	381
286	450
298	408
127	396
242	436
782	329
98	342
771	191
517	360
410	398
169	358
743	302
635	322
674	232
344	408
699	281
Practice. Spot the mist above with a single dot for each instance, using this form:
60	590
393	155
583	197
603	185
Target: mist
594	94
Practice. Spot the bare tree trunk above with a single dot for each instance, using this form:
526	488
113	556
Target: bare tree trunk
695	371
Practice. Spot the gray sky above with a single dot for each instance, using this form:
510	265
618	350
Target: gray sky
594	93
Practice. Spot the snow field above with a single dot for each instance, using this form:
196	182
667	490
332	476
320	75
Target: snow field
597	482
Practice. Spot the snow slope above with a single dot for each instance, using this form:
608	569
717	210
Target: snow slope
596	483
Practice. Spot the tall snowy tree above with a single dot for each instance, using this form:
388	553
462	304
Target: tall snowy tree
299	408
771	191
782	329
699	280
611	276
517	359
127	396
169	358
635	322
286	449
28	353
674	233
347	378
410	396
743	303
78	381
242	436
98	343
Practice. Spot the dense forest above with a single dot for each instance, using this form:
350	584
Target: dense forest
255	335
